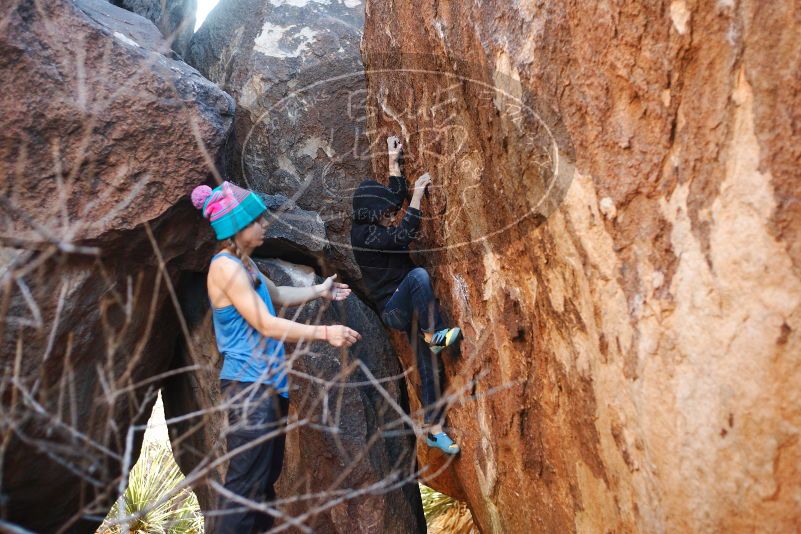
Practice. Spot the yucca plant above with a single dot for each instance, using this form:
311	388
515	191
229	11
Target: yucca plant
154	478
444	514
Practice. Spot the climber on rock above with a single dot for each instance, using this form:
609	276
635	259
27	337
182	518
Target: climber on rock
399	290
250	337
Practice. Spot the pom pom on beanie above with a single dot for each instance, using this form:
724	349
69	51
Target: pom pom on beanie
199	196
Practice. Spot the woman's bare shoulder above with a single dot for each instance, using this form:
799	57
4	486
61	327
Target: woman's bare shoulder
224	267
223	272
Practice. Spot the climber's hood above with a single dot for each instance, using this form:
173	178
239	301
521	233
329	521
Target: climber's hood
372	200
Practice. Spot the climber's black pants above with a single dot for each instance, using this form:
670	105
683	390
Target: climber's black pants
413	308
256	410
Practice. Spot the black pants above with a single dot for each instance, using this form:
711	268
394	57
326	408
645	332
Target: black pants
414	309
255	411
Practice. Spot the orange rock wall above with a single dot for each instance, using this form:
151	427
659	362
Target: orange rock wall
632	356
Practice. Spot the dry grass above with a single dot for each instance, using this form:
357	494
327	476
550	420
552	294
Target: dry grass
446	515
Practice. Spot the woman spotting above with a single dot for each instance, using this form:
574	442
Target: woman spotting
250	337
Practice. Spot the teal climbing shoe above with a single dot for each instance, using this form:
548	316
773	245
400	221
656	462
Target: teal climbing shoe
444	338
442	442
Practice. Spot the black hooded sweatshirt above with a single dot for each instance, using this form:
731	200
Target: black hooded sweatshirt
382	252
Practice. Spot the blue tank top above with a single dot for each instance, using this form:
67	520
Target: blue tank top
248	356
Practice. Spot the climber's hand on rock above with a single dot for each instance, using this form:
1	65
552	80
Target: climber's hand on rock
338	335
420	185
394	148
331	290
395	154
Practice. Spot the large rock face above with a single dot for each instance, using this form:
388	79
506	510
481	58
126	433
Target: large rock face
634	352
175	18
101	136
296	73
349	449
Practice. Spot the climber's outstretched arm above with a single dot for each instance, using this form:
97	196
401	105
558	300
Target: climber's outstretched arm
397	182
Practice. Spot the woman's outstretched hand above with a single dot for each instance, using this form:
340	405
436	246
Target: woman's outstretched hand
331	290
338	335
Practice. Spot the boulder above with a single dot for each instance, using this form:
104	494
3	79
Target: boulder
293	234
105	125
102	136
295	71
615	224
174	18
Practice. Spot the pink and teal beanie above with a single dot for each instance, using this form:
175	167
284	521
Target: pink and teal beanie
228	208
